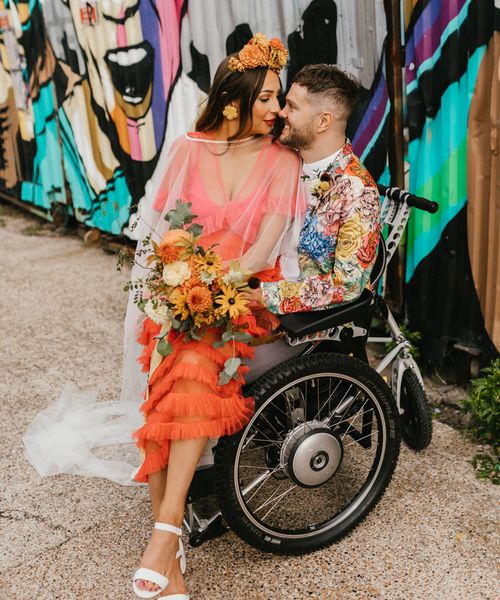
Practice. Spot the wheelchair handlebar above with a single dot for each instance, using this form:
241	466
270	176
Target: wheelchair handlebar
399	195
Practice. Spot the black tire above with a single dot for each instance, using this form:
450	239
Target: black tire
416	421
360	397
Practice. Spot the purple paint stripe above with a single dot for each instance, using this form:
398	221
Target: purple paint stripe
372	118
425	21
426	36
151	32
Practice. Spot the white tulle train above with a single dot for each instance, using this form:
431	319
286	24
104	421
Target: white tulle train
82	436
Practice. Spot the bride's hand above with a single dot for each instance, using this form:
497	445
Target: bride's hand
253	295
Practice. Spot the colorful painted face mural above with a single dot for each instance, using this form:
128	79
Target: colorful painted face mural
131	48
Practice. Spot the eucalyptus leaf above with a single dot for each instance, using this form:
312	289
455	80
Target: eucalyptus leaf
195	229
241	336
223	378
180	215
231	365
164	348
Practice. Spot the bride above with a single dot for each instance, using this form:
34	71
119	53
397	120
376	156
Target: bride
243	187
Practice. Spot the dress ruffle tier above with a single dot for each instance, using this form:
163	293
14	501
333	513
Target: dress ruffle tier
185	384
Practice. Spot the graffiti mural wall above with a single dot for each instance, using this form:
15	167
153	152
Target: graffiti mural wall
94	92
453	157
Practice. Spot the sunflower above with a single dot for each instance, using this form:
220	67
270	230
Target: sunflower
232	302
208	263
178	300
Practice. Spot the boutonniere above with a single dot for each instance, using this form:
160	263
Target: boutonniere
320	187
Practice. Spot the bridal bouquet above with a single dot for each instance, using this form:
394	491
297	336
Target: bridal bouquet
188	288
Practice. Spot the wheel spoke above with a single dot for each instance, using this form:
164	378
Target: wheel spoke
280	449
277	501
260	481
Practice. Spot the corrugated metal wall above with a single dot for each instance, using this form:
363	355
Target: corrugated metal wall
93	93
101	89
447	44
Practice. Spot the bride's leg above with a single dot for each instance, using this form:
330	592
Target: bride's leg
157	482
160	552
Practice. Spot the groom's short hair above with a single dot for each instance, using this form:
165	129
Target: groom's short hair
331	85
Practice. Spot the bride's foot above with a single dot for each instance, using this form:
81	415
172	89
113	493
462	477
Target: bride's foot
160	556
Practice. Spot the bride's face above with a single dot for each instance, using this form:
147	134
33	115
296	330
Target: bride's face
266	107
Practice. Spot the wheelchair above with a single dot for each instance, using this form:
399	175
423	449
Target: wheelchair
324	440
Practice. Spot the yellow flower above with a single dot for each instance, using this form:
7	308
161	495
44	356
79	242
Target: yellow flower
232	302
350	237
210	263
178	299
289	289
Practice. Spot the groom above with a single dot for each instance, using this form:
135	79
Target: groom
337	246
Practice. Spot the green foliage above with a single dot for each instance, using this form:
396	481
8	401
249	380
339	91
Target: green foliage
230	371
124	257
487	466
413	337
180	215
164	347
483	403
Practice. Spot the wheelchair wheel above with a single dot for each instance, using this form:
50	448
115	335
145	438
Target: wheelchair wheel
314	459
416	421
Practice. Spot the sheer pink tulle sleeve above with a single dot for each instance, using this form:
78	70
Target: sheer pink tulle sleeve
177	157
285	196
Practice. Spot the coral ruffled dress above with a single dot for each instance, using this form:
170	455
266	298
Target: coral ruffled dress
185	384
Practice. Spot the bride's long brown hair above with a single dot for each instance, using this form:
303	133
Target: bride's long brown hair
229	86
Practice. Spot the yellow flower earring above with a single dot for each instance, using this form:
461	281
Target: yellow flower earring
230	112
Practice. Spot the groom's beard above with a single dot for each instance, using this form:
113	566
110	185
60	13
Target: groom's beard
301	139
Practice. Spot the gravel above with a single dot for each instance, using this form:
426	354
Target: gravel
433	535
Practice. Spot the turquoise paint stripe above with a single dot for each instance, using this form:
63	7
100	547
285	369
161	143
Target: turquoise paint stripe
427	240
443	134
112	204
375	136
385	178
428	64
427	155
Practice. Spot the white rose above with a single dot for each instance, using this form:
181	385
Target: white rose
176	273
158	315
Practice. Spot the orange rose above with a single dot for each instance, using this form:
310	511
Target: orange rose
174	236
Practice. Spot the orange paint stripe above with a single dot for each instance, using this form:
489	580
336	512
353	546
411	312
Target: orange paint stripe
120	121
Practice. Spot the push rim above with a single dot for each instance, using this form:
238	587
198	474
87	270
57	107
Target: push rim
270	495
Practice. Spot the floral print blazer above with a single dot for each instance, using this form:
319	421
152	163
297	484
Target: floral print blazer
338	241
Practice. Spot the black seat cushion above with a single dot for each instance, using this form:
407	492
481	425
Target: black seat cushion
304	323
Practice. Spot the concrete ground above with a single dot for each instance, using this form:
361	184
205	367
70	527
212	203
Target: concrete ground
433	535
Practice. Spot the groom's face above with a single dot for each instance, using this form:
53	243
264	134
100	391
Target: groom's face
300	119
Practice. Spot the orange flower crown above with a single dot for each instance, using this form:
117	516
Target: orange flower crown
260	52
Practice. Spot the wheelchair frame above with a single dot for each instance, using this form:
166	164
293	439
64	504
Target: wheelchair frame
345	336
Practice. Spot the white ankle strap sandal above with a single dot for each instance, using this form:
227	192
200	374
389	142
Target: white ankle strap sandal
157	578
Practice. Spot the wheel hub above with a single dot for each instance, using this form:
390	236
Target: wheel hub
311	454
